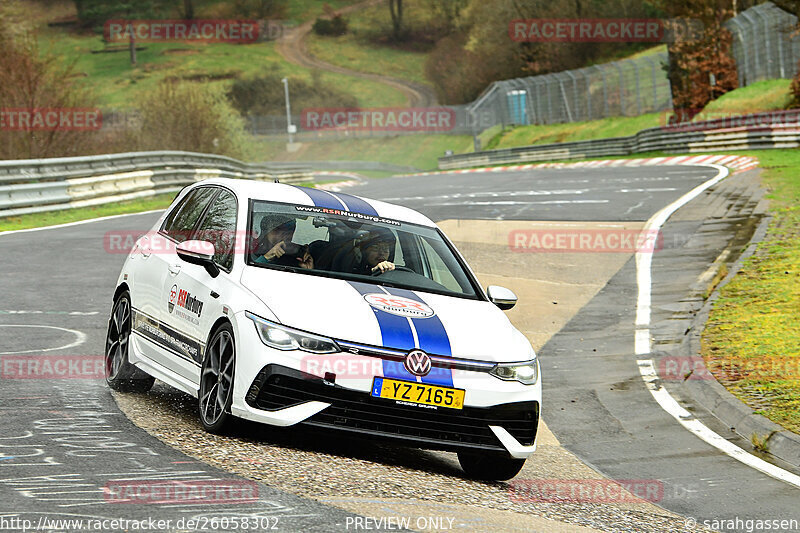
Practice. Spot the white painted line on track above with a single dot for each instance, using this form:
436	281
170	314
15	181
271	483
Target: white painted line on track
647	367
80	222
511	202
80	338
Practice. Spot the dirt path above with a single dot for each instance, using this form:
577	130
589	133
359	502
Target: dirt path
292	47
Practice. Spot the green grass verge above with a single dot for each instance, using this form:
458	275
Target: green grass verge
51	218
768	95
420	151
575	131
752	340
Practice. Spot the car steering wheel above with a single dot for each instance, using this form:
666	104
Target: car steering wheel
396	267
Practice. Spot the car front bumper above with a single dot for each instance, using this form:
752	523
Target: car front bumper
333	392
280	394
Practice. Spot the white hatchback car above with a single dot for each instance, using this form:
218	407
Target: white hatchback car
291	305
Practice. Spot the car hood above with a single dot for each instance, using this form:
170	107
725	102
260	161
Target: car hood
394	318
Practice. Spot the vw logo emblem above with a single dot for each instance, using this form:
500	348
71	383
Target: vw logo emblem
418	363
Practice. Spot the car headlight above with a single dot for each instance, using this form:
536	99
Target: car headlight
526	373
284	338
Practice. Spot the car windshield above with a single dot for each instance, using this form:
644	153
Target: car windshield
385	252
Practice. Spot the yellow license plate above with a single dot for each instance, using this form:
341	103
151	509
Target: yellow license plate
418	393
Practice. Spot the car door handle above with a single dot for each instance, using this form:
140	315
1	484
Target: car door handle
174	269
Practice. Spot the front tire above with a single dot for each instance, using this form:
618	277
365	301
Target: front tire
216	381
121	375
488	467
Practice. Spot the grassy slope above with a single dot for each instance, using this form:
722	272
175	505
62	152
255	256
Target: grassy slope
116	83
752	342
767	95
356	51
575	131
419	151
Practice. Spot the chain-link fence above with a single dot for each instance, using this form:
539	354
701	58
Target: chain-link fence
629	87
766	44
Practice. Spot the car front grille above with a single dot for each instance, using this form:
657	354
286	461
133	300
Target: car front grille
278	387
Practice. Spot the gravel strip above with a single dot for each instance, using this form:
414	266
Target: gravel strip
330	467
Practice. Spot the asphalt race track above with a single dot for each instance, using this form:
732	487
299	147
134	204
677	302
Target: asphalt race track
63	441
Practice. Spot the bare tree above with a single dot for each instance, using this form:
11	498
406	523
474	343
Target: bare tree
396	10
30	80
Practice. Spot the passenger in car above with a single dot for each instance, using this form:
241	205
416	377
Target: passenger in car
275	245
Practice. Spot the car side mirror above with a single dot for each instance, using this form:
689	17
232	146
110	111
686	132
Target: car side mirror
503	298
199	253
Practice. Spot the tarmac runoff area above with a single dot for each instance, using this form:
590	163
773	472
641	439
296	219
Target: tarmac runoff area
380	481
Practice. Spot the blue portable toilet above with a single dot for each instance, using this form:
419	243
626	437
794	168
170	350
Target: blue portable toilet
517	108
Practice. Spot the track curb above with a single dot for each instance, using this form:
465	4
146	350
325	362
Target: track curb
735	163
711	394
779	442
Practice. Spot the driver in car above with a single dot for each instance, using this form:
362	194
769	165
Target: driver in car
375	251
275	244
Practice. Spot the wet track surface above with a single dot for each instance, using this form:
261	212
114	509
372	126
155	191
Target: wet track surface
64	440
65	447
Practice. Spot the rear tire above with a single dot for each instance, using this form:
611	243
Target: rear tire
121	375
490	467
216	382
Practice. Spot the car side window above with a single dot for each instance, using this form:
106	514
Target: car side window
179	224
219	228
439	271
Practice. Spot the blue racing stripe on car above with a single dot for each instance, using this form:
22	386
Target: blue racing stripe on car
321	198
395	333
355	204
432	338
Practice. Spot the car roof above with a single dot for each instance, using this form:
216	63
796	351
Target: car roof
293	194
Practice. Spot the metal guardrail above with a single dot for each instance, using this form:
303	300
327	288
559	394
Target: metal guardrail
38	185
756	132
